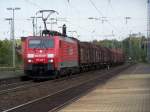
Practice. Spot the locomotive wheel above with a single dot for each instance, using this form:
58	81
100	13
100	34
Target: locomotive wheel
55	75
70	73
28	72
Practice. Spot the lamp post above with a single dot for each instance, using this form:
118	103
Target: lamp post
13	33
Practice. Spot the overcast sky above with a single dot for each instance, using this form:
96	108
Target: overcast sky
76	14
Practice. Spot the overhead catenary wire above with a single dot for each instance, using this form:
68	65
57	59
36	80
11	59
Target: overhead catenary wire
78	17
93	4
33	3
102	15
110	4
113	11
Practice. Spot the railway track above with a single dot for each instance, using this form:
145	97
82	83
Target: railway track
59	92
4	82
18	86
9	99
12	82
14	86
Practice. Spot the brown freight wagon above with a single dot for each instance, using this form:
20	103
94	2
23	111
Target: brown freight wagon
106	57
118	56
93	56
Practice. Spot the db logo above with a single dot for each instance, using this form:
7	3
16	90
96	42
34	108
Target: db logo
40	55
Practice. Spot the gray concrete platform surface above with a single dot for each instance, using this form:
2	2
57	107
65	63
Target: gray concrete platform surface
127	92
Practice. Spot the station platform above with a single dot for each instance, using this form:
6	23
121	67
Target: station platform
127	92
11	74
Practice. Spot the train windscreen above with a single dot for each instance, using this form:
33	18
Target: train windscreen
38	43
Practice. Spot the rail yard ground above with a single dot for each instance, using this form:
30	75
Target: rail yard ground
121	89
58	91
127	92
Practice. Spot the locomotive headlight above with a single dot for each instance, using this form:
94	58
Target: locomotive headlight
51	60
30	55
29	61
50	55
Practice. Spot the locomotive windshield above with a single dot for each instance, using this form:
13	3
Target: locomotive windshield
37	43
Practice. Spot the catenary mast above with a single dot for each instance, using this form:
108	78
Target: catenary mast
148	31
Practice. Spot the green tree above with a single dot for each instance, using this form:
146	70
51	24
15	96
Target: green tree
5	52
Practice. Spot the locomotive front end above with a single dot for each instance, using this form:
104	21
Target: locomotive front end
39	57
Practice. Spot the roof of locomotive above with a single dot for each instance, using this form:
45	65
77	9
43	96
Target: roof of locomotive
52	34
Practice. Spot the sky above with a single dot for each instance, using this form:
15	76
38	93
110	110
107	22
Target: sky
75	14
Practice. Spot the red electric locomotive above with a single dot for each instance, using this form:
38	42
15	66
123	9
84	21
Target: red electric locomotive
49	55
